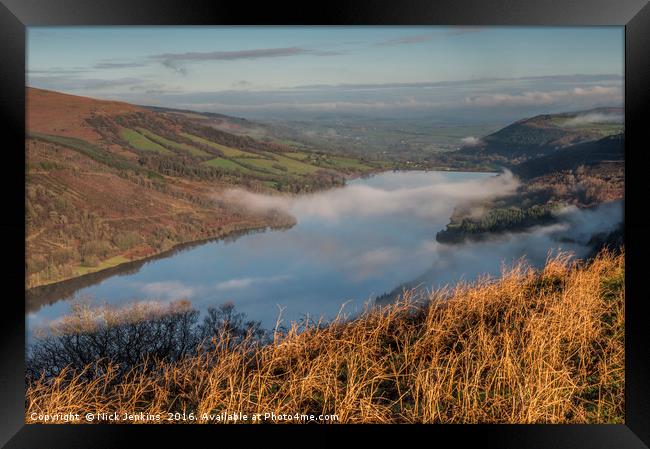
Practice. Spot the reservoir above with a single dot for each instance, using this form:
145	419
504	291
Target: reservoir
349	245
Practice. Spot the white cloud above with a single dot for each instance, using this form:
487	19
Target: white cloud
425	201
242	283
470	141
373	262
537	98
167	289
595	117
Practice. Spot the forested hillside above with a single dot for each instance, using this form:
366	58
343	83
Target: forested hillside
553	173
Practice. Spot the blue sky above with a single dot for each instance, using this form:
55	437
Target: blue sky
258	70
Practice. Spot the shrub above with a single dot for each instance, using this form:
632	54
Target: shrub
127	239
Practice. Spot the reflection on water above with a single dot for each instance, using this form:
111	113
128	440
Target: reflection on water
38	297
349	244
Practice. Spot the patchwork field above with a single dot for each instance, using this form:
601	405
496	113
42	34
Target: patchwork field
230	165
226	151
140	142
171	144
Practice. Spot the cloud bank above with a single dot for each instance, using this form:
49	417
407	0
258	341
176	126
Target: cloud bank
470	141
613	94
500	100
585	119
364	200
474	259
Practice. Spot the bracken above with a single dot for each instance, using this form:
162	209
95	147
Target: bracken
532	346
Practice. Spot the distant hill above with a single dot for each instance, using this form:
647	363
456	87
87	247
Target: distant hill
607	149
544	134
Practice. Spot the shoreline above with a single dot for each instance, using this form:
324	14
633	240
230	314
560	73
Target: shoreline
123	265
94	270
43	294
112	266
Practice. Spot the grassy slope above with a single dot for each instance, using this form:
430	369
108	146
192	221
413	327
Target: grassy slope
228	164
294	163
92	151
225	150
140	142
530	347
171	144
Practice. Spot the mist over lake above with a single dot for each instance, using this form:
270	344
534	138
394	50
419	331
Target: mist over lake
349	246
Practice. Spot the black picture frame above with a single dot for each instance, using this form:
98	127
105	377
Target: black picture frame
16	15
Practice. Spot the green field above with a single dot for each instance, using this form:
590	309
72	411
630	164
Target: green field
297	163
108	263
271	184
346	162
292	165
297	155
328	161
171	144
140	142
227	164
94	152
266	165
290	143
226	151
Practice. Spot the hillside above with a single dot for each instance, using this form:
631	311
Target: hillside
109	182
543	134
529	347
608	150
545	190
553	170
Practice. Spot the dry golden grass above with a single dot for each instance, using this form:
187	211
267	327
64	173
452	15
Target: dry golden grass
530	347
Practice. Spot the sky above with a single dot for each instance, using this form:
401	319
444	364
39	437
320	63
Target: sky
266	71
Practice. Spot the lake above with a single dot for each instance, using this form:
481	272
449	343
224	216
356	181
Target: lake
349	245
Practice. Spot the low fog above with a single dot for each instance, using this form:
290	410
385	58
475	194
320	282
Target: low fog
470	141
428	201
433	204
469	260
595	117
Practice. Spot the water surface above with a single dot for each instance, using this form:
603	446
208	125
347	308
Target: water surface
349	245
